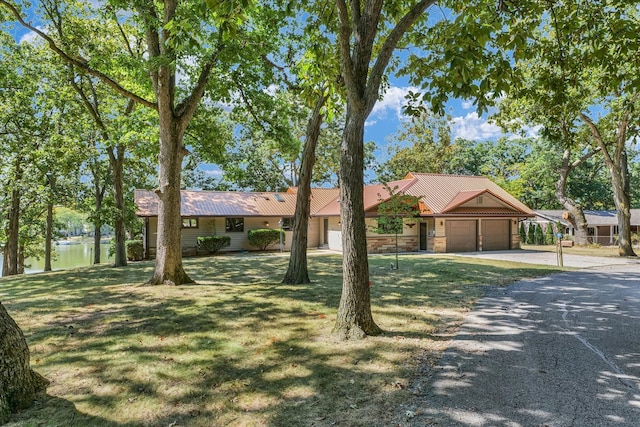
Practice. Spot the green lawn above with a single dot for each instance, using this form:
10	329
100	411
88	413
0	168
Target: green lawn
239	348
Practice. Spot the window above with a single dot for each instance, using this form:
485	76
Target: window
389	225
287	223
234	225
189	222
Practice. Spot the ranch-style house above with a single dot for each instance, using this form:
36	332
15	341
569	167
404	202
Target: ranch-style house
456	214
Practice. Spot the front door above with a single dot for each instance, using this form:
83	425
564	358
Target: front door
325	227
423	236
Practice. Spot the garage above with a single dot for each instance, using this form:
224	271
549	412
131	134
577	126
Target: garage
461	235
495	235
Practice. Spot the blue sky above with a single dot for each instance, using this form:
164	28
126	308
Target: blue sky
386	117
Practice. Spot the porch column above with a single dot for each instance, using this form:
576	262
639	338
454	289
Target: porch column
611	234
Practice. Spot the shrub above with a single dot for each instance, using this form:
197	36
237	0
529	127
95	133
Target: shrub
135	250
213	244
263	237
530	234
523	233
539	236
549	236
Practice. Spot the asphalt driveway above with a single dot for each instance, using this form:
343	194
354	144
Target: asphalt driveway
563	350
549	258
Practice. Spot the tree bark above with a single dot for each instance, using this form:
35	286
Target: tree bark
98	191
362	73
116	161
19	384
354	320
13	228
48	236
21	258
621	189
97	237
297	272
5	265
168	268
576	214
619	172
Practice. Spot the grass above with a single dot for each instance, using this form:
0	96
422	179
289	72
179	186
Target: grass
239	348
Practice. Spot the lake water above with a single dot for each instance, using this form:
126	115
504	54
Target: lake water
68	256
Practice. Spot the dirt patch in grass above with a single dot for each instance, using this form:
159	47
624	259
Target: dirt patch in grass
239	348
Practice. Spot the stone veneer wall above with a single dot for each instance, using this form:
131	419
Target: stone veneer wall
439	244
515	241
387	244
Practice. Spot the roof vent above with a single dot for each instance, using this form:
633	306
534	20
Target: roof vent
279	197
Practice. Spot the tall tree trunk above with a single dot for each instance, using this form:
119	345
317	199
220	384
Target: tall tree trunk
576	214
116	161
19	384
21	258
168	268
97	237
48	235
5	265
622	200
619	172
13	229
354	320
362	74
297	272
99	190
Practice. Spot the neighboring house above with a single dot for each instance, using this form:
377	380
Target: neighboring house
602	226
456	214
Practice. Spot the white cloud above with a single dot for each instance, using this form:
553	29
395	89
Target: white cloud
370	123
272	89
533	131
31	37
474	127
467	105
393	100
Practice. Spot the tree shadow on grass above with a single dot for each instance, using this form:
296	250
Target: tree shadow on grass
239	348
53	411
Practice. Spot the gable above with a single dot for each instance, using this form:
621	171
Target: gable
458	194
479	201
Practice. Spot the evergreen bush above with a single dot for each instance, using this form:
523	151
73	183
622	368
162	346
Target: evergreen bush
523	233
135	250
539	236
531	233
212	244
264	237
549	236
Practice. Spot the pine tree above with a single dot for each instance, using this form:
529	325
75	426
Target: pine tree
549	236
539	236
523	233
531	233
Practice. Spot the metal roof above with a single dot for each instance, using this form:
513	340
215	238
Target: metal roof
221	203
439	195
594	217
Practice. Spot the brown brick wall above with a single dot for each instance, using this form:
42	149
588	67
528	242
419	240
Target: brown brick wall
387	244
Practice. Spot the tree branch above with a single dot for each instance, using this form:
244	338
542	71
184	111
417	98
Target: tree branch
81	64
388	47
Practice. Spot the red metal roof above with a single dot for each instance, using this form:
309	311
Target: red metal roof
221	203
439	195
